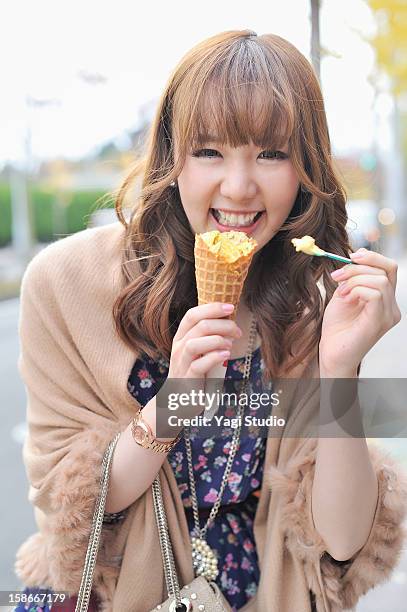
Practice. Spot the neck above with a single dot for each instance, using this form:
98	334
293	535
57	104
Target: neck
243	320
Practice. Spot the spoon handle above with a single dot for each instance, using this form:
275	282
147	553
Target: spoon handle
338	258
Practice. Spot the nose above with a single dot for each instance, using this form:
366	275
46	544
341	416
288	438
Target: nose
238	184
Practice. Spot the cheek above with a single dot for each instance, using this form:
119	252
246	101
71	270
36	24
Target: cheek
192	201
195	189
289	181
283	189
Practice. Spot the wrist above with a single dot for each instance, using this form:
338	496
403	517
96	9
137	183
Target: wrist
149	414
332	370
336	372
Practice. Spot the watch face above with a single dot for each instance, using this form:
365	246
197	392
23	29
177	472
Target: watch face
140	435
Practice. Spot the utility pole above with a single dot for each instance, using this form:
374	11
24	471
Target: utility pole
315	38
21	212
22	238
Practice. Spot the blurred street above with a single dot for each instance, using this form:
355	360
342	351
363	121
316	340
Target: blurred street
17	519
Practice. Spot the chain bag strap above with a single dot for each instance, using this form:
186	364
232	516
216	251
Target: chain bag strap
199	594
96	530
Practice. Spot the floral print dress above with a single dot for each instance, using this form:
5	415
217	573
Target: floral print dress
231	533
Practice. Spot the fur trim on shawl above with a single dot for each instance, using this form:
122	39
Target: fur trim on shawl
75	406
69	504
344	581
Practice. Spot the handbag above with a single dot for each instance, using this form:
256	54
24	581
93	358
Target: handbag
199	594
196	596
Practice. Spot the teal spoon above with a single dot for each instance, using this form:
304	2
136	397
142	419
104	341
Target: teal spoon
310	242
337	257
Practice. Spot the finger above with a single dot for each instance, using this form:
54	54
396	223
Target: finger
389	311
197	345
377	260
374	281
205	344
210	327
367	295
194	315
199	367
352	270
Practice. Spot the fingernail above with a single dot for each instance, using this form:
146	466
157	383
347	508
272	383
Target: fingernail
337	273
357	255
228	307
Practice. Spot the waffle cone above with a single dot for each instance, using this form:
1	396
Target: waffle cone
218	280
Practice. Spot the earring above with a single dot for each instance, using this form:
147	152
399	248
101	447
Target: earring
173	184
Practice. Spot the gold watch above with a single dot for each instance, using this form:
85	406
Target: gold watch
143	435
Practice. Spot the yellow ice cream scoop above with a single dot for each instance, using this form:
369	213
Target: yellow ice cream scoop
229	246
307	245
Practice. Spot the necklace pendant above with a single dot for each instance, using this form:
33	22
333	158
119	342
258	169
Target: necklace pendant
204	559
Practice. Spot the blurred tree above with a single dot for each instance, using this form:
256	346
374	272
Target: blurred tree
390	45
61	182
390	41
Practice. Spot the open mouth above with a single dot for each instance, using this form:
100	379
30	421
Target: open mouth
235	221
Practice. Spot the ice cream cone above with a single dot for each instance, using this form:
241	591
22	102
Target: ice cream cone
222	261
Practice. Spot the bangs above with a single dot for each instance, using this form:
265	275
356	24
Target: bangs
240	101
240	117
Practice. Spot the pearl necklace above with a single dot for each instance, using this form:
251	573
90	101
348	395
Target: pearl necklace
204	559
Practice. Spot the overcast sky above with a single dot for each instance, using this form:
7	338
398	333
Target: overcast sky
47	45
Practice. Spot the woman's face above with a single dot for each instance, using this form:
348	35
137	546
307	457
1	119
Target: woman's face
238	181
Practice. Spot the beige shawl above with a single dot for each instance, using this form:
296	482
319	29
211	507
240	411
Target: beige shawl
75	369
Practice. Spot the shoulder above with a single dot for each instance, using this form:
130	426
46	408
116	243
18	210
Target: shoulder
77	249
85	255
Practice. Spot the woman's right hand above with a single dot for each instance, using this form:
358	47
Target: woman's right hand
200	343
201	340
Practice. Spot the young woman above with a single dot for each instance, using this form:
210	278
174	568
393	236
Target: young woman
109	315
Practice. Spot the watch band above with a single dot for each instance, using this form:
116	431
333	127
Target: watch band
148	440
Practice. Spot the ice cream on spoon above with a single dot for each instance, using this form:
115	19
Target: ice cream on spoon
307	245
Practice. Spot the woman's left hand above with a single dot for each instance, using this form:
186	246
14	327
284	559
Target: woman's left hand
359	313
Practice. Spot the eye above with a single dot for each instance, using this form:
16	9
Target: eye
213	153
275	154
204	153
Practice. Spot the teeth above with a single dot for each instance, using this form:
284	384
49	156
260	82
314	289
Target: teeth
232	219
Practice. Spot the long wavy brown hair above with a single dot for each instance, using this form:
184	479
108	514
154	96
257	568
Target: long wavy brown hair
246	88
